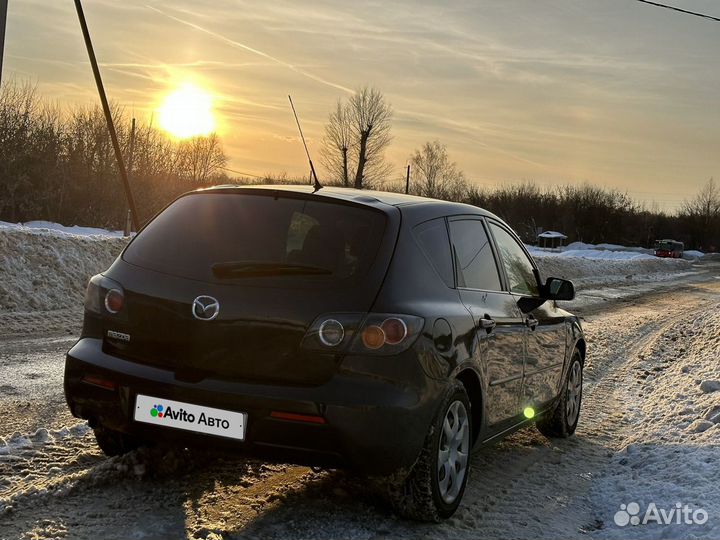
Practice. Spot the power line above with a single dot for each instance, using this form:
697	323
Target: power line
704	16
241	172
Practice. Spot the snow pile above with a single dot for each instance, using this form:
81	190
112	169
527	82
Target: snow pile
48	227
48	269
595	254
587	269
692	254
582	246
605	252
35	466
672	449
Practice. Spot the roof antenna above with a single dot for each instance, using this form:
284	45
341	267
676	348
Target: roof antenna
316	183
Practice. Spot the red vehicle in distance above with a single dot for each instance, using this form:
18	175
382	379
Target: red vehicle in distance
669	248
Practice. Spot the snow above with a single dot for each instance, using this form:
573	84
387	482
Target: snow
593	251
671	421
607	271
594	254
48	227
48	269
692	254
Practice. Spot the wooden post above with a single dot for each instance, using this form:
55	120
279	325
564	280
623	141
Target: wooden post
407	180
108	114
128	225
131	151
131	159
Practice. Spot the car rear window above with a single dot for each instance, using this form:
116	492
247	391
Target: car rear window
281	237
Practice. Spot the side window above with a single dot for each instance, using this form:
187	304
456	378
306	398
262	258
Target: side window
474	261
433	239
518	267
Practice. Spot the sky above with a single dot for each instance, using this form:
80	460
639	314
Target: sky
612	92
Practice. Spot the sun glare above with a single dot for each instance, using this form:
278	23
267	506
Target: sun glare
187	112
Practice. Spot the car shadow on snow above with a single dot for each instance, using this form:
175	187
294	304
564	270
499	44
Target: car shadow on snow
517	488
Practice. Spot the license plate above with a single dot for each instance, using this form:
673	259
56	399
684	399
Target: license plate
197	418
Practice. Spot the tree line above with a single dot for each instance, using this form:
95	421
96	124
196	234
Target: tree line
357	134
58	165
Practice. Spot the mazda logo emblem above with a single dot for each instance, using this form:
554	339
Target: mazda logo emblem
205	308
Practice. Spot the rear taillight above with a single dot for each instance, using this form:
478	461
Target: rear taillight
114	300
392	331
331	333
395	330
104	296
372	337
371	333
387	333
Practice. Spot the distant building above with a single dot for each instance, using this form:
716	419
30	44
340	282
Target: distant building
551	239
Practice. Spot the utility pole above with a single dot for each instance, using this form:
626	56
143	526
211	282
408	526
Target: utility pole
131	151
3	24
407	180
108	114
131	158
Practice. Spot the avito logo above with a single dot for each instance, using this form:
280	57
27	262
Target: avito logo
158	411
680	514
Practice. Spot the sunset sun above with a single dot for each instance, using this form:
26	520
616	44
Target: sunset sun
187	112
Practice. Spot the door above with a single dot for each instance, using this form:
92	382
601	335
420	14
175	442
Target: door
546	334
499	328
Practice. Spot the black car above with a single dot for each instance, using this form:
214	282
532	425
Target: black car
387	333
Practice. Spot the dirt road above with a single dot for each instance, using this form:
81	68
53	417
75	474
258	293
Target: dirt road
54	483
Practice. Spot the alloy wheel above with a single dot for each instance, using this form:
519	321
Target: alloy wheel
453	451
574	393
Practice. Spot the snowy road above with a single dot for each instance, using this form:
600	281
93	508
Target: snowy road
642	438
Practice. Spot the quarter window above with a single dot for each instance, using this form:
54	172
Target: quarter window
517	266
474	260
433	239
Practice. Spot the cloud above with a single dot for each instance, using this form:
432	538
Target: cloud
245	47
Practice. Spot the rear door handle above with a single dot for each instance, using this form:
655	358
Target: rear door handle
487	323
531	323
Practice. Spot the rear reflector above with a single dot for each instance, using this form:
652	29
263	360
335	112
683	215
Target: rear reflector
99	381
311	419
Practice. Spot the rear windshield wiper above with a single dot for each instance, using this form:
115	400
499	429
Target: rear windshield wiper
239	269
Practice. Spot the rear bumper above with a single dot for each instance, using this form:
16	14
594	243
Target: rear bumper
371	424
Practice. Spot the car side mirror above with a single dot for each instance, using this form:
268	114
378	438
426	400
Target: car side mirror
558	289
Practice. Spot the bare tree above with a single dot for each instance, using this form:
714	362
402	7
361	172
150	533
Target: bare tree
434	175
338	142
706	203
201	158
703	213
356	136
370	115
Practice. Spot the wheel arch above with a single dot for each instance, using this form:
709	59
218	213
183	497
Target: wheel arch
471	381
581	346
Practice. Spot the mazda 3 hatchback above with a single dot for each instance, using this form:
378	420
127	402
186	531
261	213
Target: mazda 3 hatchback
386	333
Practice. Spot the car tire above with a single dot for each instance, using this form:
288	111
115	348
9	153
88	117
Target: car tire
562	421
114	443
428	492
